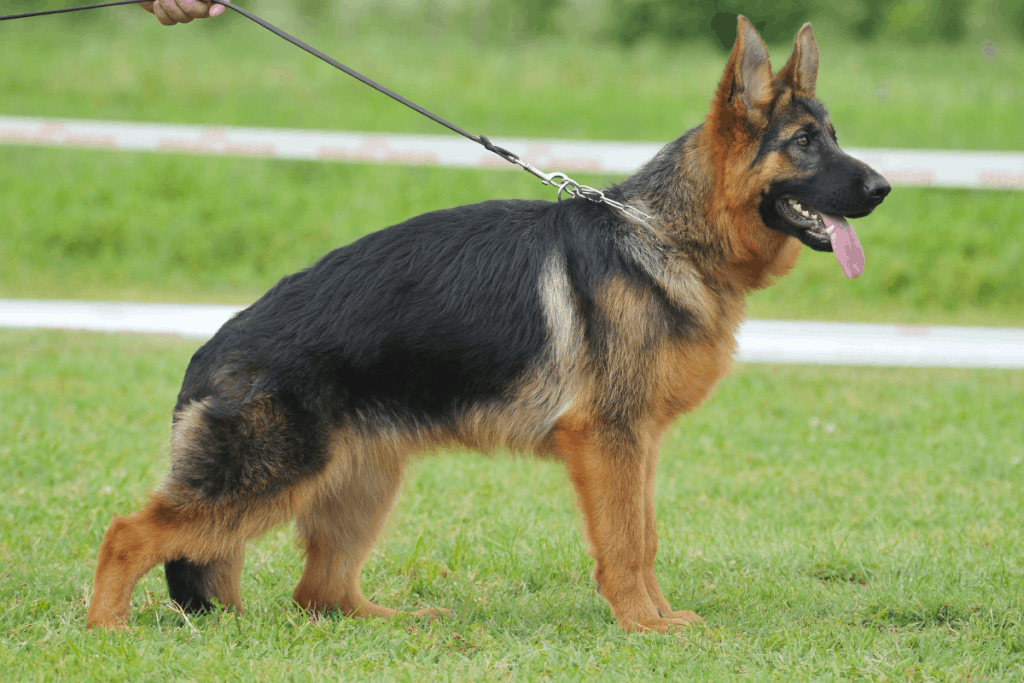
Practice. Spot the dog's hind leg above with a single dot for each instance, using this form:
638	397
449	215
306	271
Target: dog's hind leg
233	477
131	547
203	558
201	542
338	529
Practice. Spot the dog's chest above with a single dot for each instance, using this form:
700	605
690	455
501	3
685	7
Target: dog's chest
689	369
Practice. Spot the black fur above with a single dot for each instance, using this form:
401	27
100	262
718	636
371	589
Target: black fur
415	324
828	180
570	329
412	324
186	585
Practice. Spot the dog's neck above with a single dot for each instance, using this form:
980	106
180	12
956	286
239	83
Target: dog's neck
677	187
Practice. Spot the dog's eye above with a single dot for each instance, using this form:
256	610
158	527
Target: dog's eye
803	140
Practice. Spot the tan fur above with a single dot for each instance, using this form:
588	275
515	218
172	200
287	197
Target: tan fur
601	407
801	71
339	528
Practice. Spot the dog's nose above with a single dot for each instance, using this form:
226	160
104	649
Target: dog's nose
876	187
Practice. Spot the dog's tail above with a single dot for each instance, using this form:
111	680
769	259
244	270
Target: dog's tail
189	585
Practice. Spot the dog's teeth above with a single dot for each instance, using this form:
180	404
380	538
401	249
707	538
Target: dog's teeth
830	229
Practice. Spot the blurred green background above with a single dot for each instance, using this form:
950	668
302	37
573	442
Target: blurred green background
125	226
630	21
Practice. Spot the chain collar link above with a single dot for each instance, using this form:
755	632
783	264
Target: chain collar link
574	189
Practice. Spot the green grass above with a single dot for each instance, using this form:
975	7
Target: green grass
868	527
829	523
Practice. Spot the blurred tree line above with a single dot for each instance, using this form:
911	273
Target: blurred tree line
632	21
673	21
778	20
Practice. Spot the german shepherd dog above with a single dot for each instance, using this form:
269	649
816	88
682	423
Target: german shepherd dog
568	329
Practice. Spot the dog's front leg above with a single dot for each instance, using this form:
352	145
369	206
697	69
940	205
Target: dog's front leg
651	546
611	474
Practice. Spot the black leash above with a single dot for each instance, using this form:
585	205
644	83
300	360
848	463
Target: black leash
559	180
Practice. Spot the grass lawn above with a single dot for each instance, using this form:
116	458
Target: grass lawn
828	523
866	527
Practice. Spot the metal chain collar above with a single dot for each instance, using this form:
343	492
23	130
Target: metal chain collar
574	189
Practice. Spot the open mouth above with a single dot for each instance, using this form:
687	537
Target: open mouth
823	232
807	219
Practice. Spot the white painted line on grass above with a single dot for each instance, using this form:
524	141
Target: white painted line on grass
759	341
769	341
900	166
199	321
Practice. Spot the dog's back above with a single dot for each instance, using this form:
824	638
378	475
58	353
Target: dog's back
458	326
568	329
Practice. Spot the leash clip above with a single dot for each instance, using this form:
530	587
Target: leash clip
557	179
574	189
546	178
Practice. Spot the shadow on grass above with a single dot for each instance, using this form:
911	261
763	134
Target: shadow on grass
831	573
922	615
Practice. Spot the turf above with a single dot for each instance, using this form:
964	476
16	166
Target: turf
867	527
829	523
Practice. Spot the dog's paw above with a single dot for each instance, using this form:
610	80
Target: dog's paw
678	621
115	625
685	616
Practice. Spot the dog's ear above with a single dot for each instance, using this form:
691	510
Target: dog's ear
748	75
801	71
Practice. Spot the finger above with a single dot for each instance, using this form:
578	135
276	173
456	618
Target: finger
177	13
218	10
194	8
161	14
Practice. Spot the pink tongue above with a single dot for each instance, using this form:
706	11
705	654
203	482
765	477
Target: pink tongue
846	246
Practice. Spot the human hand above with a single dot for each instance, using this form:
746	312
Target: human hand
171	12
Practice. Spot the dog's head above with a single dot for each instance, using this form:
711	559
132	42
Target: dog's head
775	153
